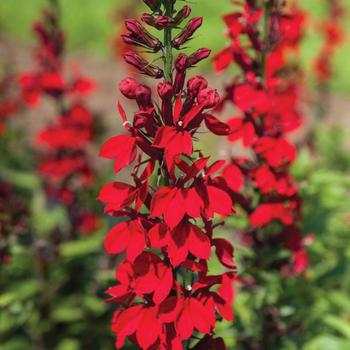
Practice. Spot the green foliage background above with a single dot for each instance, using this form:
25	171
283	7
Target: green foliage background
76	278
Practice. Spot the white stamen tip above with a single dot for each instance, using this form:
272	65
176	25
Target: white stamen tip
188	288
127	123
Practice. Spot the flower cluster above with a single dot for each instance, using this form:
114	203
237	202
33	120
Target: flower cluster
123	12
65	160
165	294
333	37
267	102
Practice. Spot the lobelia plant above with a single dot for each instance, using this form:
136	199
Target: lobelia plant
333	37
166	297
64	146
263	35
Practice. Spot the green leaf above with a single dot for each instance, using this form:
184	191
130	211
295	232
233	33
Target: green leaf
84	246
340	325
327	342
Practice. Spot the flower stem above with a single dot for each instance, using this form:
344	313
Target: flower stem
266	34
168	54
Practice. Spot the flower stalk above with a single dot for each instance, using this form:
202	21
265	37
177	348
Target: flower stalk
168	294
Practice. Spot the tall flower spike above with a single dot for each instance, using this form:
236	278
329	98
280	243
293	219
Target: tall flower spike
63	146
165	292
266	95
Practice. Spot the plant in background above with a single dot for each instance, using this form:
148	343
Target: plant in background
263	35
64	146
333	37
166	297
50	291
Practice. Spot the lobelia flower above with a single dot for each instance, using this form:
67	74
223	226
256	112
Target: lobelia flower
267	97
165	292
63	146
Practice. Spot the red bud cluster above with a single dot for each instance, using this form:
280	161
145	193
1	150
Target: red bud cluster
166	214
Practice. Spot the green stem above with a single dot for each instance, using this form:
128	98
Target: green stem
266	34
168	54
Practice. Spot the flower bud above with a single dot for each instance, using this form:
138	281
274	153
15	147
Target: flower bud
208	97
143	96
195	85
159	22
181	63
165	90
187	32
198	56
164	22
154	5
182	14
143	66
139	36
166	93
128	87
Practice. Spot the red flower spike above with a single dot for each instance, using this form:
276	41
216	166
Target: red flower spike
170	206
267	96
63	158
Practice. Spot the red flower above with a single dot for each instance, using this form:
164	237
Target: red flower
183	239
267	212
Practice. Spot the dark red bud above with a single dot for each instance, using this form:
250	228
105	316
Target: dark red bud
179	81
198	56
181	63
140	36
165	90
195	85
128	87
154	5
159	22
187	32
182	14
208	97
143	96
164	22
142	65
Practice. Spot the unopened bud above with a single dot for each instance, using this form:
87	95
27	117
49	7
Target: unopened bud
165	90
128	87
154	5
187	32
208	97
139	36
182	14
195	85
143	66
198	56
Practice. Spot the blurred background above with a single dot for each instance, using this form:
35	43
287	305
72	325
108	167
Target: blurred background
51	289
